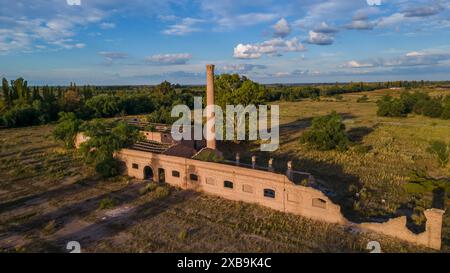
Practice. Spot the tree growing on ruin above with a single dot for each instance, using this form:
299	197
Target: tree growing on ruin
105	138
67	128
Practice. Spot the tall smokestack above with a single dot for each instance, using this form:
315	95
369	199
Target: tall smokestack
210	118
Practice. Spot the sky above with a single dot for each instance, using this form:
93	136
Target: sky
116	42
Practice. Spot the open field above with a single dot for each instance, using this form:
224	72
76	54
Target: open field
49	197
385	153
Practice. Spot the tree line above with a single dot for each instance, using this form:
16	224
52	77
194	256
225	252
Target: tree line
414	102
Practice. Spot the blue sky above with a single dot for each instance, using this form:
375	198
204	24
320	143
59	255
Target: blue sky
270	41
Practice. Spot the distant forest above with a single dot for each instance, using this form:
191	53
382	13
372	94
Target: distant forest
24	105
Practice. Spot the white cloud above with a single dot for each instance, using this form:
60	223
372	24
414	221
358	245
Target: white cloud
73	2
414	58
281	28
106	25
169	59
110	56
325	28
318	38
246	19
373	2
241	68
185	26
422	11
356	64
273	47
361	25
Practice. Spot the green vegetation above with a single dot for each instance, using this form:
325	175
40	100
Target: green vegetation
107	203
441	150
149	188
67	128
362	99
162	192
326	133
417	102
106	137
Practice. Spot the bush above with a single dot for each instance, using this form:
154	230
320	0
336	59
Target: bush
446	108
326	133
389	107
67	128
107	167
161	192
182	235
362	99
149	188
107	203
432	108
441	150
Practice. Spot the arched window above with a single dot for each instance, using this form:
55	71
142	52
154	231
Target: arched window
269	193
228	184
319	203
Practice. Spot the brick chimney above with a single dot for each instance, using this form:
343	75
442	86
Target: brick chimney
210	118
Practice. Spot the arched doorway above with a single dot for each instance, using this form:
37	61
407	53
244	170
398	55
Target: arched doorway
148	173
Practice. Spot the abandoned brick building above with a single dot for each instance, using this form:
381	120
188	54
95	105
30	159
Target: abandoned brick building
162	159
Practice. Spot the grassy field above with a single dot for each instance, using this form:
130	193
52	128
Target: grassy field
48	197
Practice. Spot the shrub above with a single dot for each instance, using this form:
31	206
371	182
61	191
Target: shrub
362	99
389	107
107	203
107	167
149	188
182	235
441	150
362	149
432	108
67	128
446	108
161	192
326	133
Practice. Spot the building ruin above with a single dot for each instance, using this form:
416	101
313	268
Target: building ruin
160	158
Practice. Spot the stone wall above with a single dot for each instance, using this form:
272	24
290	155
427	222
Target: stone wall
268	189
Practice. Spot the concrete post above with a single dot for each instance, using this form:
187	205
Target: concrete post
289	170
210	119
434	227
270	165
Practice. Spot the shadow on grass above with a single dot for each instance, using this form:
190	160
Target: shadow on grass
104	228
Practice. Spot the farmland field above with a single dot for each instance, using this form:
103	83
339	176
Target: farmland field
49	197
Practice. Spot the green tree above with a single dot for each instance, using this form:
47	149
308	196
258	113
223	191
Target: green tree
67	128
441	150
6	93
432	108
446	108
389	107
326	133
106	137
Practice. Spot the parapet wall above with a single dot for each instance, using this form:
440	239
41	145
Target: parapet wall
269	189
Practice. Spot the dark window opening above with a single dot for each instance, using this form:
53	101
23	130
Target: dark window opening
228	184
135	166
269	193
161	175
193	177
175	173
